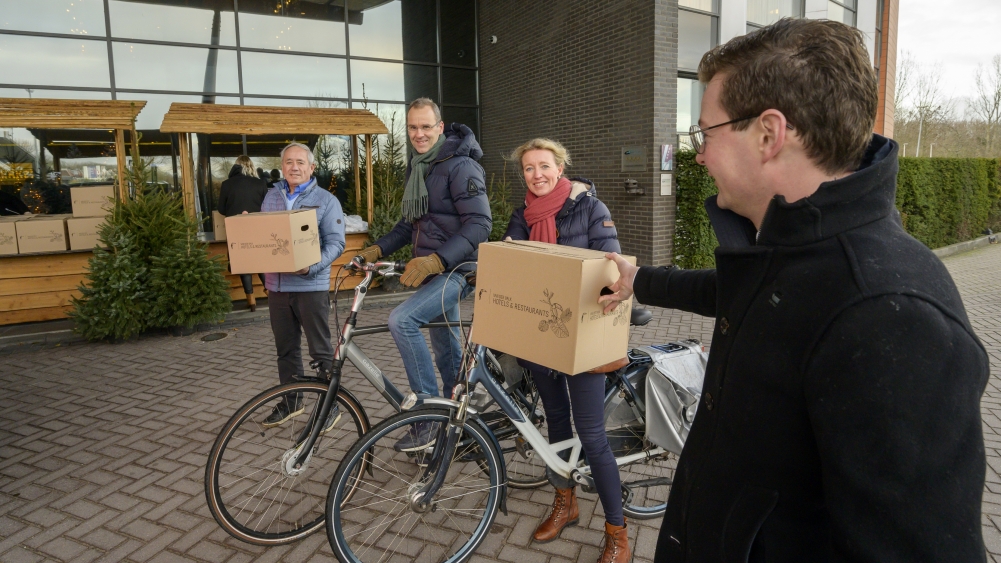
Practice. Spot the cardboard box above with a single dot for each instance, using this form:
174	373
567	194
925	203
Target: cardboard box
8	235
539	302
41	233
83	232
92	201
274	242
218	225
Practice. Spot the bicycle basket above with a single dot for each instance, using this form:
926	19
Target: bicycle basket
673	389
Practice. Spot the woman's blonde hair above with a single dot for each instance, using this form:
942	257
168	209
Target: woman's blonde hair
247	165
560	154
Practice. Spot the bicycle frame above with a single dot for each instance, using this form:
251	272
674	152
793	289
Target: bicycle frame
478	374
346	349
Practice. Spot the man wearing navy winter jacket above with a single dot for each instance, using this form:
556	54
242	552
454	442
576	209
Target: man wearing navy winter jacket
446	215
300	302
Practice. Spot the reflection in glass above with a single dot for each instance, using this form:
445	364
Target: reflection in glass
465	116
295	26
458	38
377	81
380	35
458	86
162	67
419	35
157	105
54	62
689	103
155	21
54	94
837	12
696	35
271	73
293	103
420	81
77	17
704	5
766	12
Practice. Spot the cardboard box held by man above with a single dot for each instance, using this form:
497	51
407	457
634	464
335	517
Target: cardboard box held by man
277	241
539	302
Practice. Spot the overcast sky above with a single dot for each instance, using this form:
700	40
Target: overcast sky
959	34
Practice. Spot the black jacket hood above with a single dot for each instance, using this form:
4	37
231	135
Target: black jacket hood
460	141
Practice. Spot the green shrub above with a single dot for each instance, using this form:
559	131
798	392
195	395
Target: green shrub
694	240
947	200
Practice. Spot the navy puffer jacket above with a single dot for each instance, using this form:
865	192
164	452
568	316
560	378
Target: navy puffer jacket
458	217
583	222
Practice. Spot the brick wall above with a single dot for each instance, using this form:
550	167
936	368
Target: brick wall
596	75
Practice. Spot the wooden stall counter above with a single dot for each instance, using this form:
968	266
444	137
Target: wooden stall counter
39	287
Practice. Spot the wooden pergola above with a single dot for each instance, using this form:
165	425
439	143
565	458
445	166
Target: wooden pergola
185	119
115	116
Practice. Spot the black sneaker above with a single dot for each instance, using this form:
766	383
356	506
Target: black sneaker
283	412
332	419
418	437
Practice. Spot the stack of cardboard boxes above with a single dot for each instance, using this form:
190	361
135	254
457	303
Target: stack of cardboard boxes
91	205
29	234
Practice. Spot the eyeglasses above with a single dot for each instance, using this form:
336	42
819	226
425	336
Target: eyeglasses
697	134
423	128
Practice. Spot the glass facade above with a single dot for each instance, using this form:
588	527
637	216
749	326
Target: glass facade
698	32
377	54
842	11
766	12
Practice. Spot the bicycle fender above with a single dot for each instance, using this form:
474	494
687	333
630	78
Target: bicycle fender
500	458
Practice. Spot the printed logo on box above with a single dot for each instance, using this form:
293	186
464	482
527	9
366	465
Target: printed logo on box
313	239
6	239
53	236
279	246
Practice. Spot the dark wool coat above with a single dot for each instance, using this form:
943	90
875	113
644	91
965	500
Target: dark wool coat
840	416
584	221
458	217
241	193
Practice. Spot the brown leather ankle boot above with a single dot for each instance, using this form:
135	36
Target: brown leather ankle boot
616	545
564	514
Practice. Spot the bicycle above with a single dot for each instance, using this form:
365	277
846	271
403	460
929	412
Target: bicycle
267	486
439	503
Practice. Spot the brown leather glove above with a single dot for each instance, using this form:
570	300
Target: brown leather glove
419	269
371	254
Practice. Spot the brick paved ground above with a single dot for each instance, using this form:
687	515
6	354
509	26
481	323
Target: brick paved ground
102	447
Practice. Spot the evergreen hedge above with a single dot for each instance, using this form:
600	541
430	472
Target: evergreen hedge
941	201
694	240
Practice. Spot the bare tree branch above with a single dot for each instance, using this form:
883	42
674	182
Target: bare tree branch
986	103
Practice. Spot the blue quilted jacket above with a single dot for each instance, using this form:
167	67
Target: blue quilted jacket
584	221
458	217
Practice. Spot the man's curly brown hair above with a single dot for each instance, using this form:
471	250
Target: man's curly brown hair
816	72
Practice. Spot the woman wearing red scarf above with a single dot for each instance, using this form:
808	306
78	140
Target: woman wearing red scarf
558	210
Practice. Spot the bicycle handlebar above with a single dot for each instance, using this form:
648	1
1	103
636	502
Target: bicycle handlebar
383	268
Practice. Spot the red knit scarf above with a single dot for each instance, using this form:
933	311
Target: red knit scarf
540	212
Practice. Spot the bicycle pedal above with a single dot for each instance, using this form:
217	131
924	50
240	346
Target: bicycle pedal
524	448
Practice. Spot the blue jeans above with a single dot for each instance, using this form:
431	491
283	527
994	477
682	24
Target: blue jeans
422	307
583	395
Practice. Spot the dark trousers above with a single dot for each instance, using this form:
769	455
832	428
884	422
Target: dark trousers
291	315
584	395
248	282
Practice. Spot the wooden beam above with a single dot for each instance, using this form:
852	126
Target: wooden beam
19	286
68	114
123	182
354	162
12	267
187	174
264	120
37	300
34	315
368	177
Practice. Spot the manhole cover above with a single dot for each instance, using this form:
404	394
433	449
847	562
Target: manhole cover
214	336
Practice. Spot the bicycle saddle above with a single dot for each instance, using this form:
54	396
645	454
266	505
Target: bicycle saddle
640	317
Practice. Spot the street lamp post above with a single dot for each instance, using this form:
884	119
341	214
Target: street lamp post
931	149
905	149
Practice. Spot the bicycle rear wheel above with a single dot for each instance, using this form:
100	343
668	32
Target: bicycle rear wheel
381	521
253	491
646	483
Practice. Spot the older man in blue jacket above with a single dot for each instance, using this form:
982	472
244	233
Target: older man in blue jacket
300	302
446	215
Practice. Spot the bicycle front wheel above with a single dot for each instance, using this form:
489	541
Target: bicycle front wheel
253	490
382	520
